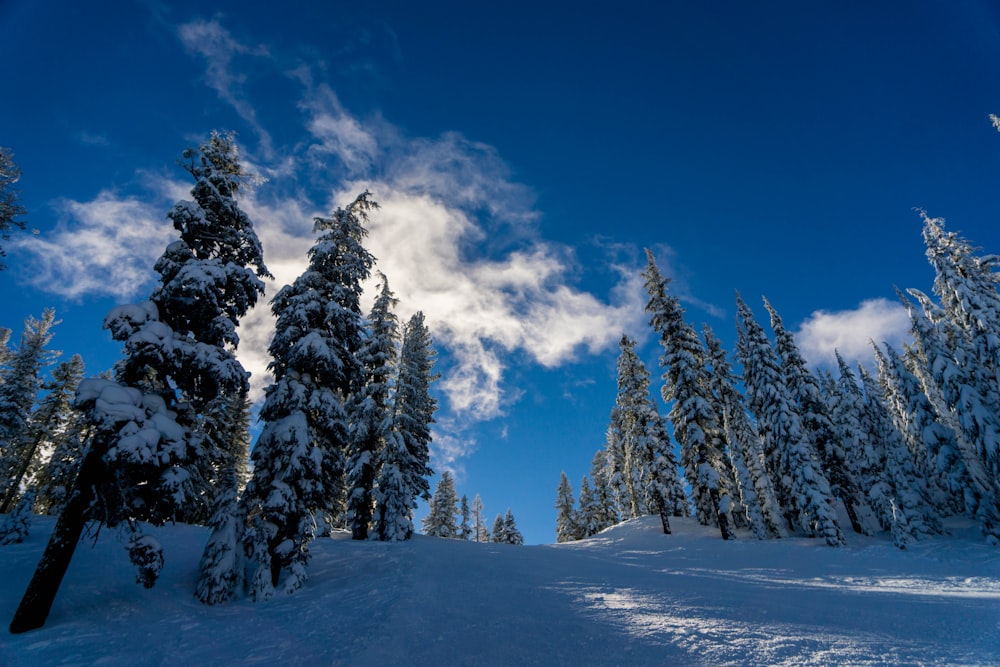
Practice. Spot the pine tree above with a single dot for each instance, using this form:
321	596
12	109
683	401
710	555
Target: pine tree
696	425
605	511
927	440
804	390
14	527
371	414
586	515
299	457
222	562
180	345
756	489
10	199
954	368
480	532
499	534
414	407
49	427
511	534
393	498
22	381
967	286
567	529
802	490
464	528
898	492
440	521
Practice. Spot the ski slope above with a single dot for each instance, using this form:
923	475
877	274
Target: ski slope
629	596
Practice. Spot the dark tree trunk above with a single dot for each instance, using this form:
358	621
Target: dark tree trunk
661	508
15	483
44	584
724	527
363	510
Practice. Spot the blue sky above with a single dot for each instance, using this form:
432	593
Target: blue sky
523	157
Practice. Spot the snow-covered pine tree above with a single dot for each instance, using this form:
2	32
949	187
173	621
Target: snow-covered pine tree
371	415
499	533
665	477
696	425
480	531
511	534
440	521
927	440
586	515
567	529
178	357
899	493
393	500
52	424
464	525
180	345
299	457
14	527
756	489
804	390
414	407
960	407
21	382
605	510
802	490
964	384
967	286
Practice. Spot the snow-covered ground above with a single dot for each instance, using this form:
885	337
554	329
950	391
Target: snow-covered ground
630	596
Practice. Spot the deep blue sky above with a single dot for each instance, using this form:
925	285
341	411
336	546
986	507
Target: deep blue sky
524	156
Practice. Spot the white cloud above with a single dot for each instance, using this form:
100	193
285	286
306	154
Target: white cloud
850	331
106	246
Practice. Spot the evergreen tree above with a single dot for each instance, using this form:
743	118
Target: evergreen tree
605	511
393	499
14	527
511	534
180	345
567	528
927	440
464	527
49	427
299	457
440	521
499	534
954	368
696	424
586	516
222	561
480	531
854	430
804	390
10	198
414	407
371	414
17	398
756	489
899	494
967	286
802	490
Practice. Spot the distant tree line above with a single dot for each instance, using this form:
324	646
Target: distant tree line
778	447
456	519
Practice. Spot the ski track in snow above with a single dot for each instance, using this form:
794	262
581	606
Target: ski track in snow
630	596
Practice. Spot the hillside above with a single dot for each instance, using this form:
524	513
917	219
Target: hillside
627	596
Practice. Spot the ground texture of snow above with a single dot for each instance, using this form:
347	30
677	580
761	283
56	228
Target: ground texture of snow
629	596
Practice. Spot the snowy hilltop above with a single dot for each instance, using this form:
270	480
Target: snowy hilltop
628	596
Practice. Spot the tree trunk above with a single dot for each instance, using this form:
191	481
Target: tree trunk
724	527
661	508
15	484
44	584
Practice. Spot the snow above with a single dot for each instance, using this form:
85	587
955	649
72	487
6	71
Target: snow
629	595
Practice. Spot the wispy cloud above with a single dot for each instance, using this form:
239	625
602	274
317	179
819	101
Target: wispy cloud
849	331
106	246
216	46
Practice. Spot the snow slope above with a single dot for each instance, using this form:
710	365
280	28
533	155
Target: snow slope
630	596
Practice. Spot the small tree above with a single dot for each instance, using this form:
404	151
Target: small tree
567	528
440	521
480	531
510	531
10	198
